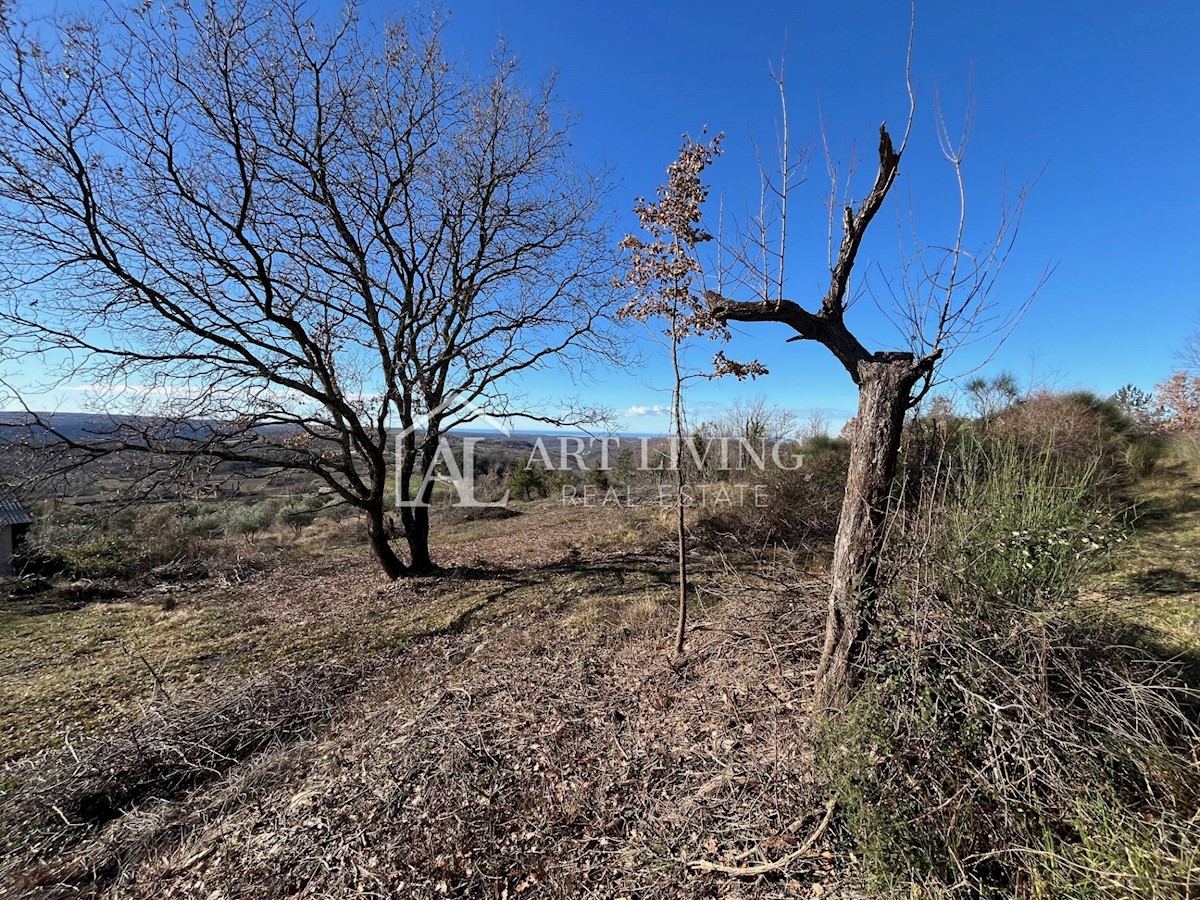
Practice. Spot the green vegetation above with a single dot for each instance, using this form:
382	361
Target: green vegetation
1016	526
1026	724
1014	738
103	542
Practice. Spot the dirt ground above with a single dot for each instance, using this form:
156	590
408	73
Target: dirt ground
516	726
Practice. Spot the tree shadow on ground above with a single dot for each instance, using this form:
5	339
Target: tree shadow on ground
584	576
1182	663
1168	511
1164	581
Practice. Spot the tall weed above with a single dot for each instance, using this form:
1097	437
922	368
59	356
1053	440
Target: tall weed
1008	741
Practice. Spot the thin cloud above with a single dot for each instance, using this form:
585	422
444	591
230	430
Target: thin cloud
655	410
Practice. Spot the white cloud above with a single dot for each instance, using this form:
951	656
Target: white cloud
655	410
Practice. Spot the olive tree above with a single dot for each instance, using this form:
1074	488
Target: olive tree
942	299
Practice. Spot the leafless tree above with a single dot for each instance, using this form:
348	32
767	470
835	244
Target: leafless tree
293	234
754	419
941	301
815	427
1190	354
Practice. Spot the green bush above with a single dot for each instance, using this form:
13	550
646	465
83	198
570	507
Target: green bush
208	524
296	516
103	557
1143	453
1006	741
817	444
248	521
1017	525
527	483
597	477
335	510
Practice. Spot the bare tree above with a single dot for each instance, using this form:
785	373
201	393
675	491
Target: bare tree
941	302
1190	354
755	420
815	427
666	277
295	234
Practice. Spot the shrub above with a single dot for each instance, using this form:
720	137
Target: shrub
527	483
1143	453
1006	741
106	557
800	506
209	524
1078	426
1040	760
336	510
296	516
817	444
248	521
1185	448
596	477
1017	525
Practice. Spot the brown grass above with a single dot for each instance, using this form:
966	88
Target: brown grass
524	730
528	755
517	726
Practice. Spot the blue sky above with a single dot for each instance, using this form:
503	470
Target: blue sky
1098	102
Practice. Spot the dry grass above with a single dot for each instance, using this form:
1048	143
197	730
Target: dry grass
69	666
75	816
516	726
1157	584
524	729
532	755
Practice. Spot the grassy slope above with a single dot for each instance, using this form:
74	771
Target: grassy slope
1158	582
525	586
68	669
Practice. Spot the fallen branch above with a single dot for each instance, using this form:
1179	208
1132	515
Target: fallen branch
752	871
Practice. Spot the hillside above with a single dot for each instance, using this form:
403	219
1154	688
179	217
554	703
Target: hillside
515	727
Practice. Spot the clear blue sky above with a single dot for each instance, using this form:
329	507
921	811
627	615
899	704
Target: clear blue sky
1102	100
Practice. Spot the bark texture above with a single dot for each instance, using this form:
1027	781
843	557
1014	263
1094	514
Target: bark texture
885	387
377	535
886	383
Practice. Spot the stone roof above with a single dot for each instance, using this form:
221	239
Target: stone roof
11	511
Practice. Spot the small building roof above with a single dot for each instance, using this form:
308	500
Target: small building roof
11	511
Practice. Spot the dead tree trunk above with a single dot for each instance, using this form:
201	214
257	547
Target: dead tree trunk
885	388
885	381
951	305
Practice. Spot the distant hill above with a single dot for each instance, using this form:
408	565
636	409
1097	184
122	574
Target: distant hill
20	427
23	427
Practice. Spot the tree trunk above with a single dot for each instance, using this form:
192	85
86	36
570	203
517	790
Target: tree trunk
416	532
415	518
680	484
377	534
885	386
